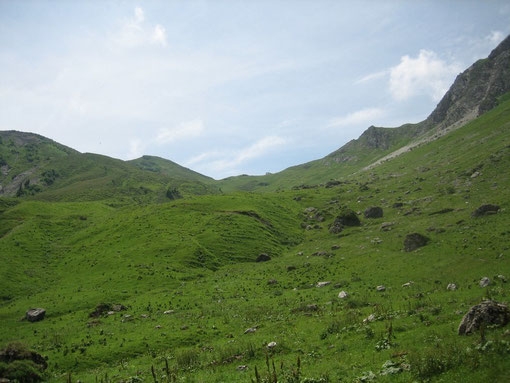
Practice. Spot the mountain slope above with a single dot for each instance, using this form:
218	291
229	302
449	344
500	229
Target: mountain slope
183	272
474	92
38	168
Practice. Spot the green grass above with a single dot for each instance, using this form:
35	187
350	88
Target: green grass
196	256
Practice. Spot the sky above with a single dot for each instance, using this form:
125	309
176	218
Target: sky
230	87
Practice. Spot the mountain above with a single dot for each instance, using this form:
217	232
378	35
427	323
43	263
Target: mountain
139	285
138	293
474	92
36	167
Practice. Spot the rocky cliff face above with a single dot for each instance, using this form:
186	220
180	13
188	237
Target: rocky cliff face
474	92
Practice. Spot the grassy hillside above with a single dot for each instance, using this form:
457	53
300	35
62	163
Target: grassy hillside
169	168
195	258
34	167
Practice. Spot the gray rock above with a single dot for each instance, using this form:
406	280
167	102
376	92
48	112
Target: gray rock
263	258
250	330
414	241
381	288
271	345
486	313
485	210
242	368
484	282
343	294
407	284
272	282
322	284
373	212
387	226
35	315
451	287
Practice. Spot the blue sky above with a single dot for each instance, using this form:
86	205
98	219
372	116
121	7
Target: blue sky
230	87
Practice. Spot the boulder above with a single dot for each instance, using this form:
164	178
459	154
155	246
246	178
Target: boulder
486	313
17	352
414	241
485	210
35	315
484	282
347	217
271	345
373	212
263	258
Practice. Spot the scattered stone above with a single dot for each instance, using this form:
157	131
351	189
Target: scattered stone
242	368
390	368
118	307
484	282
263	258
335	247
486	313
335	228
381	288
271	345
272	282
414	241
475	174
322	284
397	205
407	284
459	312
300	253
144	316
250	330
370	318
502	278
310	209
373	212
451	287
485	210
309	227
110	313
157	327
342	294
167	312
387	226
35	315
184	327
376	240
291	268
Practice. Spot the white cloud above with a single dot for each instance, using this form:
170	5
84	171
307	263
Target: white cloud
136	148
363	116
495	37
159	35
139	15
221	162
136	32
426	74
189	129
372	76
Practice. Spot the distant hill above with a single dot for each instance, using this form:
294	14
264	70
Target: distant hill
474	92
36	167
169	168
